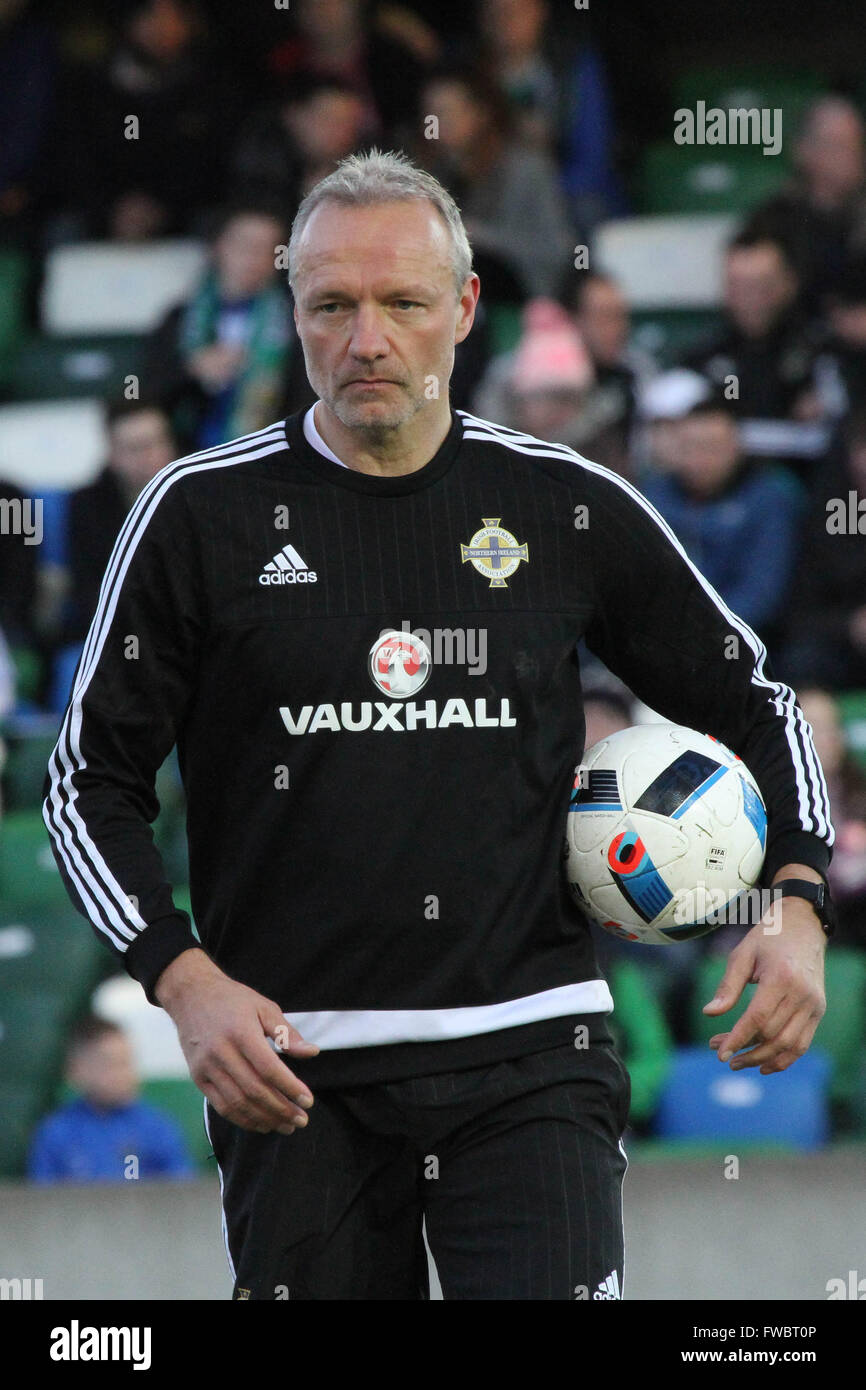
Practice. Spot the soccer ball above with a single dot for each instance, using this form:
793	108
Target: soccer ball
666	828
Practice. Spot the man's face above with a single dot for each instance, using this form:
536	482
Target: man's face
603	322
513	25
461	120
323	20
104	1071
548	413
328	126
377	312
831	154
245	255
709	451
163	29
759	286
139	446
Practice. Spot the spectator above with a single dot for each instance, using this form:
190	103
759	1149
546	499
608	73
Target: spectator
768	358
663	403
821	217
826	635
107	1134
601	313
289	145
558	92
512	205
140	443
158	177
546	387
221	361
846	785
718	500
383	59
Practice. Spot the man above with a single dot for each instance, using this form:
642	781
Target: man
821	216
546	387
375	836
139	444
601	313
768	359
821	219
222	361
825	642
717	498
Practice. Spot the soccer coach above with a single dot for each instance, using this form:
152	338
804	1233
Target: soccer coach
375	835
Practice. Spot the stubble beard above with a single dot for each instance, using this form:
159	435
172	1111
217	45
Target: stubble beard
374	430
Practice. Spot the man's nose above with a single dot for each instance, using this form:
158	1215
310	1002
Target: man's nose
368	337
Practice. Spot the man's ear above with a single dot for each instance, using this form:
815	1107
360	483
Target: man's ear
468	304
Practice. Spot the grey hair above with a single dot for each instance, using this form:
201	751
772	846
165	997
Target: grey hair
362	180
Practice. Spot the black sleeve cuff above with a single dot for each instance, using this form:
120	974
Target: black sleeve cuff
797	847
156	948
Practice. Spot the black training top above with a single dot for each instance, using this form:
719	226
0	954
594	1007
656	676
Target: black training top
375	822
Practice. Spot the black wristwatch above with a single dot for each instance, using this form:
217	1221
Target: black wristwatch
818	894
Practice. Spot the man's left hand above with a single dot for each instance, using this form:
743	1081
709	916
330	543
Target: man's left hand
784	956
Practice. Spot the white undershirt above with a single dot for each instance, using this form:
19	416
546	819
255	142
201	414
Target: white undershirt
312	436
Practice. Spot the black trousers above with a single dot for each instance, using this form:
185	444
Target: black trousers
516	1167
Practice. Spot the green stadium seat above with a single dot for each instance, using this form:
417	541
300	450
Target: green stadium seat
852	708
33	1026
842	1031
38	946
21	1105
505	327
29	877
28	673
707	178
63	368
181	1099
841	1034
14	278
670	334
750	87
641	1034
27	764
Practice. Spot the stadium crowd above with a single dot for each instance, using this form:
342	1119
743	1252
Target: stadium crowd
742	435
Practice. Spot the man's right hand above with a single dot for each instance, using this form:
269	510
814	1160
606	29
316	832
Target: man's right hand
223	1028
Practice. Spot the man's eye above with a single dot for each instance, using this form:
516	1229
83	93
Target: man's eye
407	304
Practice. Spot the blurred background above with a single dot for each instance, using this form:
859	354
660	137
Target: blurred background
692	315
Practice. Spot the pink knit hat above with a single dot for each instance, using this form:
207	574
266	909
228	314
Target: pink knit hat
550	355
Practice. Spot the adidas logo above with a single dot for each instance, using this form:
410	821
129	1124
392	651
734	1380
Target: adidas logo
287	567
609	1287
